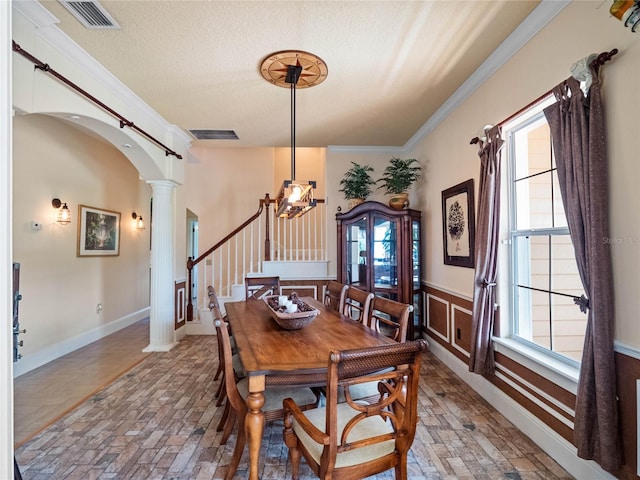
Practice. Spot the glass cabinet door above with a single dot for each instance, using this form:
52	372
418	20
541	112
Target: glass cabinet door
356	253
417	295
385	257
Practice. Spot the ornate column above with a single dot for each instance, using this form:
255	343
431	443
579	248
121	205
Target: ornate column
161	331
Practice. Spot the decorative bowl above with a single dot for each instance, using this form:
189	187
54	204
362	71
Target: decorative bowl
291	321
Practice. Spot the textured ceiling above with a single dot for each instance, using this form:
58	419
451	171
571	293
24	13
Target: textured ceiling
391	64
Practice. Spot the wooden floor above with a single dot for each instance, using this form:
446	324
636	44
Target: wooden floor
157	421
45	394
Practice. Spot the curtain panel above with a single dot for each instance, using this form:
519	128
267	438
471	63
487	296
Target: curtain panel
579	143
486	249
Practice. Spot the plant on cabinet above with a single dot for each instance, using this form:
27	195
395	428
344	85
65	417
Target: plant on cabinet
396	179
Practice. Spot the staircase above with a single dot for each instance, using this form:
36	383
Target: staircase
262	245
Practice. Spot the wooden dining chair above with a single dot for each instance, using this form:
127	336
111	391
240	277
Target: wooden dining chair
258	287
356	304
237	392
389	317
214	307
334	295
354	440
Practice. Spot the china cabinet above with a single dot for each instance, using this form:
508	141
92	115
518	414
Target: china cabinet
379	251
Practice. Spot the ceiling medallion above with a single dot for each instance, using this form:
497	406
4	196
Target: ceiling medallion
274	68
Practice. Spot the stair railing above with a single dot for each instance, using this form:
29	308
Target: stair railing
264	202
243	252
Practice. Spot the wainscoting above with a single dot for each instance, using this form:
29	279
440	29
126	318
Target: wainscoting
447	318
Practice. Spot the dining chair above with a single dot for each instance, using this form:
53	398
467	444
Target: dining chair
213	298
356	304
237	392
258	287
390	317
354	440
334	295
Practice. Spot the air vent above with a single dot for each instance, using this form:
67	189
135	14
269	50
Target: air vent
91	14
214	134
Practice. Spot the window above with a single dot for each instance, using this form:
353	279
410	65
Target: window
544	278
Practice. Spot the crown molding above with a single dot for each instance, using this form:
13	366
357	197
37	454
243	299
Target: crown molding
364	150
47	30
536	21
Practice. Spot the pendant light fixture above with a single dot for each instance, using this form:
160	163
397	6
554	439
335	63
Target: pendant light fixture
294	69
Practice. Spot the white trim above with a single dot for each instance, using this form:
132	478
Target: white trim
6	264
543	14
51	33
536	21
57	350
361	150
455	293
560	373
301	286
454	344
435	332
546	438
627	350
543	394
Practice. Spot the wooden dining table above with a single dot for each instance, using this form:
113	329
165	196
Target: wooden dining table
271	355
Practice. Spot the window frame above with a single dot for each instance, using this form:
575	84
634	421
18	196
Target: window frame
512	338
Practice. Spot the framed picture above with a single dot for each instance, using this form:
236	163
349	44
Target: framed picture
458	225
98	232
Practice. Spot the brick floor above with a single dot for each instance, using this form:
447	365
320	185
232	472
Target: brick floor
158	421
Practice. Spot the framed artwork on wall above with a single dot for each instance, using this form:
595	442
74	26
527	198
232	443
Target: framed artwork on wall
458	225
98	232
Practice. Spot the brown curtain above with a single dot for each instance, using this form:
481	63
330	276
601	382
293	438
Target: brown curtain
486	250
578	137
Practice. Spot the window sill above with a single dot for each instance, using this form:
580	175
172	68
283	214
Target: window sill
553	370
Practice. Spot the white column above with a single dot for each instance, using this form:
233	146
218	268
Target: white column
161	325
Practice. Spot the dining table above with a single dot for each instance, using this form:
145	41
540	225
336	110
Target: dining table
272	355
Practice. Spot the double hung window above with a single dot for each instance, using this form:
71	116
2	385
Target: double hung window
544	278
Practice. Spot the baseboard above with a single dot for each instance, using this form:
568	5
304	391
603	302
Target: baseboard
547	439
203	325
37	359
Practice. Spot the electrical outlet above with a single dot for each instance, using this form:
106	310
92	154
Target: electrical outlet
98	308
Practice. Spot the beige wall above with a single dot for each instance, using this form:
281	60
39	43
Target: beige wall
60	290
580	29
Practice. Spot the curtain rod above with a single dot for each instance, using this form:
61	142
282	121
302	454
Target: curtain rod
596	63
123	121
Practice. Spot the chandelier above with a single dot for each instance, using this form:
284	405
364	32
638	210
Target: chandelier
294	69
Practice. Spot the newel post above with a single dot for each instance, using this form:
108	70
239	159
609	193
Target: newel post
189	289
267	242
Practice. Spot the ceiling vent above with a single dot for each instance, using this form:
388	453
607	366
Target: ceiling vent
91	14
214	134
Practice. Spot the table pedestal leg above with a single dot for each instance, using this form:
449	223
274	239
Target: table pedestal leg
254	427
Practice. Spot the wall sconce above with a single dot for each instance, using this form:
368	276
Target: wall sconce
64	214
138	220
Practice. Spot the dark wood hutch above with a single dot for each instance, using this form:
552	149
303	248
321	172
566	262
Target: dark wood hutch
379	250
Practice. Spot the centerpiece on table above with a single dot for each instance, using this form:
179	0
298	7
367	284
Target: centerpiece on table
290	312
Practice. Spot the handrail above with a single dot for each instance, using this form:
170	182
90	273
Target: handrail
294	240
191	262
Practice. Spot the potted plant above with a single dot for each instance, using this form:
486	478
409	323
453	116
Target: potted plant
396	179
357	184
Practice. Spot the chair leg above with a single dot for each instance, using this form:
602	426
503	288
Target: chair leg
222	392
238	449
218	372
291	441
228	426
223	418
401	468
